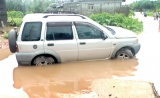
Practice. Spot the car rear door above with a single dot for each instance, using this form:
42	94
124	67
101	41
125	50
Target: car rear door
61	41
31	39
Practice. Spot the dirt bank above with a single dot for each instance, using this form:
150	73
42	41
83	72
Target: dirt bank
4	50
3	42
111	88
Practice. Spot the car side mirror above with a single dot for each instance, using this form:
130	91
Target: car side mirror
104	36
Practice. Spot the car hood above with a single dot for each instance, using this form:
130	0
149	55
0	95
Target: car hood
123	33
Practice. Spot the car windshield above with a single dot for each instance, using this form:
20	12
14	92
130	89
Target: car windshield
110	30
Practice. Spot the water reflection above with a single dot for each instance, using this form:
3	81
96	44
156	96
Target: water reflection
46	81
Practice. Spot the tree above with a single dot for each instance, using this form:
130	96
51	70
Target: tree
52	7
145	4
25	6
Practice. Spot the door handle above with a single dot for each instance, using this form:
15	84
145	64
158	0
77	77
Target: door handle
82	43
51	44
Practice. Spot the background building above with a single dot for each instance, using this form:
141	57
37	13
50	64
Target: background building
88	7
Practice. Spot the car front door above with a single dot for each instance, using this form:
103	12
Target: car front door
91	44
61	41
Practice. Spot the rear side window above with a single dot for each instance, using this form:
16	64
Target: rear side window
31	31
59	31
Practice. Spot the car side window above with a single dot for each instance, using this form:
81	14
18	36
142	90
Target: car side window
59	31
31	31
111	30
87	31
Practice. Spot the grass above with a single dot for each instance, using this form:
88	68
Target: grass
150	13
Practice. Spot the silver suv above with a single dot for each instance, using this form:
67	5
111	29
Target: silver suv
55	38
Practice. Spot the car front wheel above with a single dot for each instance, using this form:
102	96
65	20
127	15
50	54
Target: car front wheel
124	54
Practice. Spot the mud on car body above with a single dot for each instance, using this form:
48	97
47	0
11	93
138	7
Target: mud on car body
55	38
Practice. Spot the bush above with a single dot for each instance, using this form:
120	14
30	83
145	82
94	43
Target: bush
131	13
150	13
119	20
15	14
5	35
16	21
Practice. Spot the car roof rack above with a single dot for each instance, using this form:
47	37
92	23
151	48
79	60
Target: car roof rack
58	13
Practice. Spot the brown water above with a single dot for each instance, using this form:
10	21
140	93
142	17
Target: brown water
4	53
68	77
71	77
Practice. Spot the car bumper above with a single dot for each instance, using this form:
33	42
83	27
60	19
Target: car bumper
136	47
24	58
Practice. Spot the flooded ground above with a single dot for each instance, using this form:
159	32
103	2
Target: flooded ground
69	77
48	81
72	77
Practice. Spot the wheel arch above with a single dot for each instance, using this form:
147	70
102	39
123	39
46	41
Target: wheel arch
122	46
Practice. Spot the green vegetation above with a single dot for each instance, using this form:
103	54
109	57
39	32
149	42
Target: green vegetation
119	20
146	5
5	35
15	14
15	21
15	18
25	6
150	13
18	8
131	13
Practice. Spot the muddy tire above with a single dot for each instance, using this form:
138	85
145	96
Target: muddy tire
124	54
12	38
43	60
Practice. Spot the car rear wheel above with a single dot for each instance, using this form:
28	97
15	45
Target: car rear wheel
12	38
43	60
124	54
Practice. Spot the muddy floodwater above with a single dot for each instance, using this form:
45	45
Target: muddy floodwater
69	77
72	77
